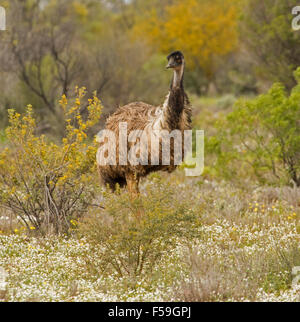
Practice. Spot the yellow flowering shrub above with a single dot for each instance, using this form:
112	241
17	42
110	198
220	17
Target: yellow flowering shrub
47	184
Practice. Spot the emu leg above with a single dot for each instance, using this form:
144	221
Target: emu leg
133	184
133	188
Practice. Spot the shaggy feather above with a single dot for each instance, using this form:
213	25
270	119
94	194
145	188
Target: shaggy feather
174	114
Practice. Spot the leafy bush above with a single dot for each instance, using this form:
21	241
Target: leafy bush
262	137
43	183
130	236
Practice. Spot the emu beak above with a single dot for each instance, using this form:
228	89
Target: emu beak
170	65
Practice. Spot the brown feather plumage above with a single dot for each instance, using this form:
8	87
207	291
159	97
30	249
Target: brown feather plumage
175	114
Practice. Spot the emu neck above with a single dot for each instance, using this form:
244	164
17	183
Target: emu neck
178	77
176	100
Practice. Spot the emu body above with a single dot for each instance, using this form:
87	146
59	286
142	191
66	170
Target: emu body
173	114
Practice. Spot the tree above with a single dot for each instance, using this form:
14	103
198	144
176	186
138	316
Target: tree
39	48
204	30
50	47
266	30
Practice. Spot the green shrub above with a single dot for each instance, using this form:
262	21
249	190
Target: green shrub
131	236
261	137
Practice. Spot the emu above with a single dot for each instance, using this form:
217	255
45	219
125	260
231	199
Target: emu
173	114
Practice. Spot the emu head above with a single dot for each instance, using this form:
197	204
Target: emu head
175	60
